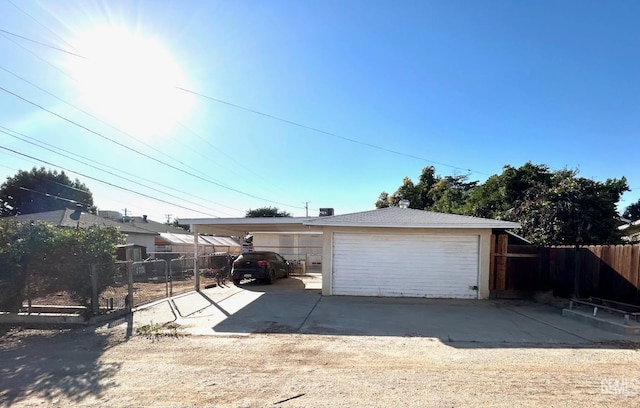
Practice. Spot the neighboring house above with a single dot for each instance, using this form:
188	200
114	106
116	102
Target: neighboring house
390	251
631	231
76	219
141	222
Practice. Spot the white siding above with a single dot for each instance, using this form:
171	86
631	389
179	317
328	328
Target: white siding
146	240
411	265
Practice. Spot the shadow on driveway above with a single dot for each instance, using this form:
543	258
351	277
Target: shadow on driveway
285	307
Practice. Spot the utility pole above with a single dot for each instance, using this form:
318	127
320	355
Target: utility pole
168	218
306	207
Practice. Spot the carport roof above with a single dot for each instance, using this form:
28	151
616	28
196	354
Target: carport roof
409	218
240	226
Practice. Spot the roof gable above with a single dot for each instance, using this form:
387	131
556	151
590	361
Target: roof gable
69	218
409	218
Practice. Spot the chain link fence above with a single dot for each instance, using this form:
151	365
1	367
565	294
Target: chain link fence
93	289
72	288
150	281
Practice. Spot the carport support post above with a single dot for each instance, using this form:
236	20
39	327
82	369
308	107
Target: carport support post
196	268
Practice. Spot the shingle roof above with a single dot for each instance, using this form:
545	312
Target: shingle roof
67	218
409	218
156	226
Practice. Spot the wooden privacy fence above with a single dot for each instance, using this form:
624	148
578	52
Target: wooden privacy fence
605	271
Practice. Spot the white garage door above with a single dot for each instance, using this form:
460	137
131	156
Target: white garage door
438	266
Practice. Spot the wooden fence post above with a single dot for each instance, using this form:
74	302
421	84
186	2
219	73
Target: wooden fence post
501	262
492	262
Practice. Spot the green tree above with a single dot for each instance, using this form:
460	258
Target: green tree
23	247
571	210
426	182
41	190
407	191
553	207
383	200
432	192
46	258
499	194
632	212
267	212
449	194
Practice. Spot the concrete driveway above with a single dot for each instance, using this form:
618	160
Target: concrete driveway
295	305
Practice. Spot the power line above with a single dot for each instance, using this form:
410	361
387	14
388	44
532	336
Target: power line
40	24
34	54
287	121
144	154
51	196
108	172
108	183
324	132
43	44
103	122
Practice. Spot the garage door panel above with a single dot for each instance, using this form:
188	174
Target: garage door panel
405	265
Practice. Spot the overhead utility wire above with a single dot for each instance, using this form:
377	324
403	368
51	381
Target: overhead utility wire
40	142
40	24
144	154
34	54
51	195
43	44
324	132
108	183
103	122
290	122
255	177
105	171
97	118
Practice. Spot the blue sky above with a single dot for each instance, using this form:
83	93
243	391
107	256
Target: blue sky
369	92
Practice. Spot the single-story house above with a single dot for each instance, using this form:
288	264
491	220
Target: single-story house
390	251
630	231
78	219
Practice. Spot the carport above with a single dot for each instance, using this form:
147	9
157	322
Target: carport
388	252
288	236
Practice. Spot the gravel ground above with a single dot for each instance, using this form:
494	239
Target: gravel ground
117	366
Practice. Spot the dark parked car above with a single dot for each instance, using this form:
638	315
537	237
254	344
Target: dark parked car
264	266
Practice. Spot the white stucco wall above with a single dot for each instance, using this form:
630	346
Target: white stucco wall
146	240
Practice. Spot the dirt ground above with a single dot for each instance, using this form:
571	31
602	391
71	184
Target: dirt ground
119	366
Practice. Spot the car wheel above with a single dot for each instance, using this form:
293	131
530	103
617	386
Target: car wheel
272	277
237	281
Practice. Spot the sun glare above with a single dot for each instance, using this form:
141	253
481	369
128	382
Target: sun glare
130	81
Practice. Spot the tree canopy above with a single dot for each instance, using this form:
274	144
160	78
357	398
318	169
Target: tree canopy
266	212
632	212
46	256
40	190
552	207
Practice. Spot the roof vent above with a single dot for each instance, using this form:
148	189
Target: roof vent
403	204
